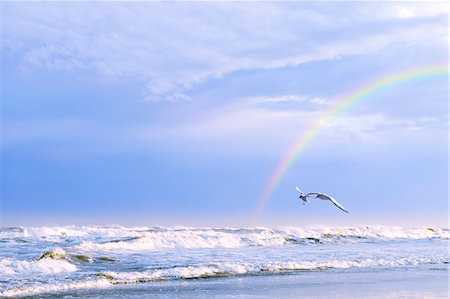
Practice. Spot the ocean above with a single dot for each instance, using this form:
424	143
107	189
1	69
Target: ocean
205	262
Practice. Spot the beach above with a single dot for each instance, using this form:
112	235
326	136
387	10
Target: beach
423	282
187	262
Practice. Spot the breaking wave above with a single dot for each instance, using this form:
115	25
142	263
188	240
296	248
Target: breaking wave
121	231
163	238
108	279
42	266
227	269
93	238
56	260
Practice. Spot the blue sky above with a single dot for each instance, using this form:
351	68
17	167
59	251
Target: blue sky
177	113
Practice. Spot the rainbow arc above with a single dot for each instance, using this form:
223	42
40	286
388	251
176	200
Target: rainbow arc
356	96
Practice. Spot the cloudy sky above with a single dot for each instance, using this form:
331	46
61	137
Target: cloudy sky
178	113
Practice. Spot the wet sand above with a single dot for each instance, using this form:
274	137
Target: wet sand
412	282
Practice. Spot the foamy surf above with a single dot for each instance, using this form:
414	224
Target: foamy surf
233	238
14	267
57	260
108	279
187	237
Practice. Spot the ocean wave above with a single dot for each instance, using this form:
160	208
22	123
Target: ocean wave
61	254
108	279
94	238
370	232
153	239
235	268
44	266
55	287
191	238
58	232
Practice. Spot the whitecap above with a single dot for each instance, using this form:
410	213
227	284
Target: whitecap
45	266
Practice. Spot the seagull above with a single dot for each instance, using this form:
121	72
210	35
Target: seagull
304	198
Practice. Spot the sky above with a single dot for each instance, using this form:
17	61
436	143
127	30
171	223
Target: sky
177	113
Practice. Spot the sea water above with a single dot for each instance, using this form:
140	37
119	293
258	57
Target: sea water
47	262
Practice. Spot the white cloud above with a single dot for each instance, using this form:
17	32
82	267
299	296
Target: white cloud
419	10
404	12
170	47
283	99
243	128
247	128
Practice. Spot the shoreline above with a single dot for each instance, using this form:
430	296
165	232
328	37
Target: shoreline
426	281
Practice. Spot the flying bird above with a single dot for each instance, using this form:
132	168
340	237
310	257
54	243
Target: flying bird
304	198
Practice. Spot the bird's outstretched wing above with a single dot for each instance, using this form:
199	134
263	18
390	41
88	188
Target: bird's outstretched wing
312	194
319	196
334	201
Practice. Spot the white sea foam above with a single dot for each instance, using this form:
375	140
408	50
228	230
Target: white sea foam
188	238
222	237
56	287
32	269
236	238
109	278
236	268
388	232
69	231
42	234
14	267
52	262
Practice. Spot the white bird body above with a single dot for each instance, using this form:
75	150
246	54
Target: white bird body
304	198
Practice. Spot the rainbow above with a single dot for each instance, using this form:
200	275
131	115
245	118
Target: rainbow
346	102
